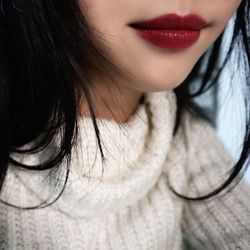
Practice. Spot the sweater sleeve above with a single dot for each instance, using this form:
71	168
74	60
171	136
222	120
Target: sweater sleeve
221	222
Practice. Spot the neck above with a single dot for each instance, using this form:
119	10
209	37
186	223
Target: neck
112	103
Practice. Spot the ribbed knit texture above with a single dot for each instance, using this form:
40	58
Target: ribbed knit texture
125	202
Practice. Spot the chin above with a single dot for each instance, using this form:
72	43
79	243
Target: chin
162	76
164	83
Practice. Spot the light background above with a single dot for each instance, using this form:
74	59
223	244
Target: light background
231	113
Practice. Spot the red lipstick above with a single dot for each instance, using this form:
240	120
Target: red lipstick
171	31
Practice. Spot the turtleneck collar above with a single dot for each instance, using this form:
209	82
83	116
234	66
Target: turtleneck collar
135	153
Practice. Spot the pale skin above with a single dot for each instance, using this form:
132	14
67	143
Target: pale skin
153	69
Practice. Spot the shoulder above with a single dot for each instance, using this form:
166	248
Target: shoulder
221	222
208	161
202	138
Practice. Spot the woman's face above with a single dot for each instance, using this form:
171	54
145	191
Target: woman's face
155	68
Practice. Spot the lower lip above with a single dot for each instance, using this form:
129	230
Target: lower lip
170	39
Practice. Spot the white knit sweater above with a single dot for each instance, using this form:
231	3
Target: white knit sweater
126	203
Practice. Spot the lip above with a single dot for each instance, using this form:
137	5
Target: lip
171	31
172	21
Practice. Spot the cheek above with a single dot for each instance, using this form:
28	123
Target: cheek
223	10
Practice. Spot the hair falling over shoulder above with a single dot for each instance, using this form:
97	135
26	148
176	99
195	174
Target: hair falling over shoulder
46	50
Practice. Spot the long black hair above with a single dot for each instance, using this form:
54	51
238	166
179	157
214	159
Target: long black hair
47	49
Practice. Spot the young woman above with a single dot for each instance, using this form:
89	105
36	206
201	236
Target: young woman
103	144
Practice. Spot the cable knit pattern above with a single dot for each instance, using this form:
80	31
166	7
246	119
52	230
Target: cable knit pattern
125	202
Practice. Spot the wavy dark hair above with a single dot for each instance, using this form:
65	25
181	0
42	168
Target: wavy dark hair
47	49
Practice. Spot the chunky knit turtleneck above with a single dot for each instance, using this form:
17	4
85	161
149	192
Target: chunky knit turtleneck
125	201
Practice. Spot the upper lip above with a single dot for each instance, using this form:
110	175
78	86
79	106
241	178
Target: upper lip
172	21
